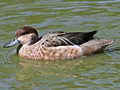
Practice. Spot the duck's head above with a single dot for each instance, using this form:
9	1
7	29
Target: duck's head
24	35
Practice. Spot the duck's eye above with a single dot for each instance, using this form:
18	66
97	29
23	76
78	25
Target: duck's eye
24	33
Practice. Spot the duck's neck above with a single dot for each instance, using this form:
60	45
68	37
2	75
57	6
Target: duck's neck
39	38
18	48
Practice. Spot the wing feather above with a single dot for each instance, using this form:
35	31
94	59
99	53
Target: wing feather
62	38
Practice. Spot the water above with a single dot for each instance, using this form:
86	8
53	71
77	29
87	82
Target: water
96	72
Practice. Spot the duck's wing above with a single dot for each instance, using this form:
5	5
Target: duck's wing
64	38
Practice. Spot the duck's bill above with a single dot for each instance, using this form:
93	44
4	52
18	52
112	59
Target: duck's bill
11	43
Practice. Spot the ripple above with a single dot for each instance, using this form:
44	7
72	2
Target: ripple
7	54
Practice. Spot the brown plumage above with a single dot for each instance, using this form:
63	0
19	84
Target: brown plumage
56	45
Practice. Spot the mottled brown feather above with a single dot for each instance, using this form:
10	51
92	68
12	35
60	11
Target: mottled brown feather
57	45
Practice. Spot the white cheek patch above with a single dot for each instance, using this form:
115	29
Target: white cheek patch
25	39
22	39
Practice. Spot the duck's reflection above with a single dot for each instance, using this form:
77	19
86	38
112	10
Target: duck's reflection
29	69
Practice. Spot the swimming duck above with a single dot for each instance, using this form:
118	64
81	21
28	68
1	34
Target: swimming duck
56	45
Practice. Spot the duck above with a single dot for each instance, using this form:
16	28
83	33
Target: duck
56	45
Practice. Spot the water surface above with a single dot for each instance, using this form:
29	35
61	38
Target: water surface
96	72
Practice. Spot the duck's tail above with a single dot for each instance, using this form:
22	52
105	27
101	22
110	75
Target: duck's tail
95	45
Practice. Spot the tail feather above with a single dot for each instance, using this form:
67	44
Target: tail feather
95	45
84	37
80	37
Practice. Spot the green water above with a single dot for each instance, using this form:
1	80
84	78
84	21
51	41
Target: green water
96	72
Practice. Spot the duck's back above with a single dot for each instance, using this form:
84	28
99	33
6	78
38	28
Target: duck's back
54	39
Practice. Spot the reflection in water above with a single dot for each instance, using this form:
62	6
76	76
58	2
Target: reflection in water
72	68
33	68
